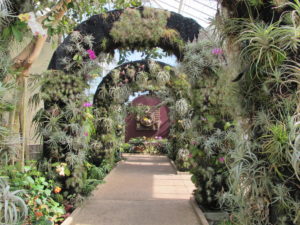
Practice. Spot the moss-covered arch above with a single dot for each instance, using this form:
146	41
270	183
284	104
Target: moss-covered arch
133	28
128	73
74	138
160	79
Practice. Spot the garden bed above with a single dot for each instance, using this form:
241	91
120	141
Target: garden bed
208	217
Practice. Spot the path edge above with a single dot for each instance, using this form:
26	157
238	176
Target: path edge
70	219
200	215
175	168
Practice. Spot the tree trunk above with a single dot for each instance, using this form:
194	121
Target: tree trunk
24	61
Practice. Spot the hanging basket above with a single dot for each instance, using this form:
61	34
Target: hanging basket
147	121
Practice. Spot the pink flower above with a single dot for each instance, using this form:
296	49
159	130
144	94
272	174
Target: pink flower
92	54
194	143
86	134
221	159
217	51
87	104
190	155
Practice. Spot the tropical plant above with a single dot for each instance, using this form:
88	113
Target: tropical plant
13	209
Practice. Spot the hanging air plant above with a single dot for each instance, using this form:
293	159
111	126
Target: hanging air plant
105	124
116	94
182	107
103	93
154	68
186	124
120	94
163	77
131	73
115	75
142	78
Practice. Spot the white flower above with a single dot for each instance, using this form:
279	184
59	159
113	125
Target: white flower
36	27
60	170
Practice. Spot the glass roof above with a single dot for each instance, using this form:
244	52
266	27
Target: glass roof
200	10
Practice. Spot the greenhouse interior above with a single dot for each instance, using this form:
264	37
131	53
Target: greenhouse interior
150	112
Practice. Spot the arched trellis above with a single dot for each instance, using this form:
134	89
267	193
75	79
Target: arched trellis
175	31
128	73
141	75
100	27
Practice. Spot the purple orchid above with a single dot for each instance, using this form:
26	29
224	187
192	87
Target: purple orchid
92	54
217	51
221	159
87	104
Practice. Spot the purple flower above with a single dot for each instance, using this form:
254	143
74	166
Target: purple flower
87	104
217	51
221	159
92	54
85	134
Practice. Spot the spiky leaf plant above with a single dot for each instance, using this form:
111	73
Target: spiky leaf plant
182	107
13	209
163	77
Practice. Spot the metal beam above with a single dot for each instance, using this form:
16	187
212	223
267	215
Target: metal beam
180	6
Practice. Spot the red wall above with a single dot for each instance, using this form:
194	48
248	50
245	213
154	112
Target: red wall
163	131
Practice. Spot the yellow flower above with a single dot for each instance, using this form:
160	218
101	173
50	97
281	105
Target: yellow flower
57	190
94	75
89	116
24	17
179	121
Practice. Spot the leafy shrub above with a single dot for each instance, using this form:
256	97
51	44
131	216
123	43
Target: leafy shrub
39	194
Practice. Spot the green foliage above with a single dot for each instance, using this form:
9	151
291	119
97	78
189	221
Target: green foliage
152	146
209	169
149	26
199	60
263	45
262	180
39	194
17	31
138	110
13	208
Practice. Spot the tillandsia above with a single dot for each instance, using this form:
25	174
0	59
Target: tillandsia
163	77
13	208
182	107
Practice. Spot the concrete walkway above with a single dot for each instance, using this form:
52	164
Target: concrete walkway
142	190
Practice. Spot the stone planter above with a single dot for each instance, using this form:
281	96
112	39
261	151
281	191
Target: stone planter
214	218
208	218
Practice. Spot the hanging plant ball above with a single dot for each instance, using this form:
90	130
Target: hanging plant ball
131	73
141	78
163	77
181	107
58	87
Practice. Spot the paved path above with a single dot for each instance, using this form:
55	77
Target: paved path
142	190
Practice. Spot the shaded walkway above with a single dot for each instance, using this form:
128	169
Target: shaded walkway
143	190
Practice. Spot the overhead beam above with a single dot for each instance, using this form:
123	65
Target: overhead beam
180	6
